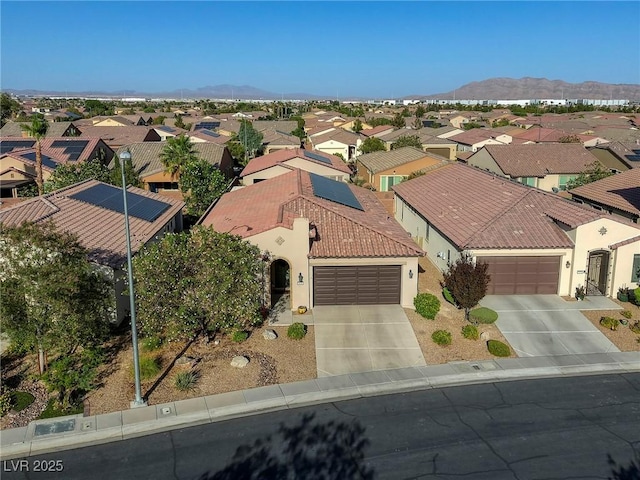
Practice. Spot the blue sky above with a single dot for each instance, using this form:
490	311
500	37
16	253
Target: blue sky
374	48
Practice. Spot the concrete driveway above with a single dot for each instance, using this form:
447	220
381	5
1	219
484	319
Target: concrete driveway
362	338
547	325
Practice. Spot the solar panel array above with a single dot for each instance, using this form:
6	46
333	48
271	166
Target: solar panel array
334	191
73	148
109	197
166	128
207	125
10	145
315	156
46	161
210	133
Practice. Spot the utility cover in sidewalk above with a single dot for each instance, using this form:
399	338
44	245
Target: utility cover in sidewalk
61	426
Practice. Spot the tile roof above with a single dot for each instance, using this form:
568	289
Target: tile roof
339	135
13	129
59	153
343	232
476	209
285	126
476	135
281	156
146	155
538	160
118	136
99	230
385	160
277	137
376	131
620	191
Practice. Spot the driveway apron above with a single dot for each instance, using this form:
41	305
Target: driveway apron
547	325
363	338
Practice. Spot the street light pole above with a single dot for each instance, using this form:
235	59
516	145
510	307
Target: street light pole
125	156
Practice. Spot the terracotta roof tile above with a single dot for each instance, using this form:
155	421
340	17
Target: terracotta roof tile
620	191
385	160
281	156
99	230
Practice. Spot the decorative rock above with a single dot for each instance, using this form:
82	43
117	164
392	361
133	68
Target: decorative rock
269	334
216	342
485	336
183	360
239	361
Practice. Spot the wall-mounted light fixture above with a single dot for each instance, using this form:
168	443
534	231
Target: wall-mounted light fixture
300	279
410	273
568	264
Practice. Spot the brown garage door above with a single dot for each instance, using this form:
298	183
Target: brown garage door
356	285
522	275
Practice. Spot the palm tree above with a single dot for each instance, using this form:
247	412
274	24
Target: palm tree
38	130
177	153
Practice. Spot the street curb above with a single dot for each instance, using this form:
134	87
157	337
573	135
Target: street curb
137	422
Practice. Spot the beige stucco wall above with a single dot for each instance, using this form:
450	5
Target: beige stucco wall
405	170
409	286
265	174
588	238
332	147
483	160
312	167
437	147
108	122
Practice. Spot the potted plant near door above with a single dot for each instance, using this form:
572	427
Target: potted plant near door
580	293
302	309
623	294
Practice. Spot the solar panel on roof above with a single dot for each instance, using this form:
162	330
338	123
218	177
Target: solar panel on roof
315	156
165	128
109	197
207	125
46	161
69	143
10	145
210	133
334	191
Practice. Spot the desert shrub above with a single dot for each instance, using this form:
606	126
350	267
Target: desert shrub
239	336
626	314
610	322
498	348
21	400
6	403
149	367
54	409
441	337
635	328
427	305
470	332
186	381
483	315
297	331
150	344
636	294
448	296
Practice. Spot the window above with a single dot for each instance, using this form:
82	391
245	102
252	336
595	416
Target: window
530	181
388	181
562	183
635	269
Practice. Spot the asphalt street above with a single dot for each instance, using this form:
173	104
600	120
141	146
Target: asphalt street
582	427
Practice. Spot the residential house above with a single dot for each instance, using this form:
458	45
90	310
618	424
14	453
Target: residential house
348	125
384	169
378	131
459	119
329	243
145	157
121	121
534	242
545	166
274	140
283	161
93	211
284	126
56	129
337	142
552	135
476	138
116	137
430	143
617	156
209	136
618	194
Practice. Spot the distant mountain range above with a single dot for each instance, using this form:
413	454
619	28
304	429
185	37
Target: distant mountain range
491	89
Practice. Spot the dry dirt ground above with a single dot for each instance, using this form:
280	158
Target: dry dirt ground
622	337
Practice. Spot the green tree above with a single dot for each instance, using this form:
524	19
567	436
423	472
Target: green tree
374	122
471	125
569	139
372	144
501	122
417	124
179	122
197	283
420	111
52	297
407	141
178	152
149	109
96	108
38	130
8	108
299	131
250	138
159	120
595	171
201	183
357	126
71	173
131	176
467	281
237	151
398	120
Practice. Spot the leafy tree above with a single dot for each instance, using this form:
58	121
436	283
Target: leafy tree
595	171
471	125
149	109
502	122
412	175
71	173
407	141
201	183
96	107
250	138
131	176
569	139
372	144
178	152
420	111
38	130
406	113
197	283
159	120
417	124
299	131
237	151
52	297
467	281
8	108
374	122
357	125
179	122
398	120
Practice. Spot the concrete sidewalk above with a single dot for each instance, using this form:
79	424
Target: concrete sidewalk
63	433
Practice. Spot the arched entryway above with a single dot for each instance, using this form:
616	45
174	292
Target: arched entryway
280	278
598	272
